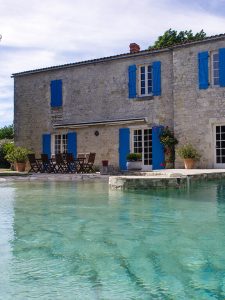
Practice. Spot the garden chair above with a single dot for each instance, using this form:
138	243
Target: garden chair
88	166
72	164
35	164
61	165
47	164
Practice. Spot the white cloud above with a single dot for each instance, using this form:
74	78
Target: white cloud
45	33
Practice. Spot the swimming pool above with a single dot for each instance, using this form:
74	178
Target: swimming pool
83	241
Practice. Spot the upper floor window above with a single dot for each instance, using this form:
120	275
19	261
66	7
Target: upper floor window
60	143
215	68
211	68
145	80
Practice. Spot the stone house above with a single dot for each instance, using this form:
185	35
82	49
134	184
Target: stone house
119	104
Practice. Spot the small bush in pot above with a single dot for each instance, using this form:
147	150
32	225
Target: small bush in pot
18	156
134	161
189	154
134	157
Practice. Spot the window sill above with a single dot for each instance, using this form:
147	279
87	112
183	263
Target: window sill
144	98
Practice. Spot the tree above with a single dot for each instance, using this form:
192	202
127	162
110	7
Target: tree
172	37
6	132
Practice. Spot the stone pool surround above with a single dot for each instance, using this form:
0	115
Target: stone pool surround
25	176
175	178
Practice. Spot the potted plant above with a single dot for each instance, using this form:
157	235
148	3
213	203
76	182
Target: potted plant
18	156
134	161
169	142
189	155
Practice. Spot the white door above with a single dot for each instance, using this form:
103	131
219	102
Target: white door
142	143
219	131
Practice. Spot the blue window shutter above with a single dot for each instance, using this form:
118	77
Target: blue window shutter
124	147
46	144
203	70
156	76
72	143
132	81
56	93
158	155
222	67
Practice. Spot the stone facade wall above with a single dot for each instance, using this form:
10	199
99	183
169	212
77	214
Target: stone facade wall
196	111
99	91
93	92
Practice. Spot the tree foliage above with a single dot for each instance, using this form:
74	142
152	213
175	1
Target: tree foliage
6	132
172	37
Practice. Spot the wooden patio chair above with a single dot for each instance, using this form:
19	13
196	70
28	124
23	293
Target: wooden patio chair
35	164
47	164
88	166
72	164
61	165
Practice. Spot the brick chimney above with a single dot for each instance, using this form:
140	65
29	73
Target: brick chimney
134	48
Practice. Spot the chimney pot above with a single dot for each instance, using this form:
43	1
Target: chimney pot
134	48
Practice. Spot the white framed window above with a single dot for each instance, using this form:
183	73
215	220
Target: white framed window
215	69
145	80
60	143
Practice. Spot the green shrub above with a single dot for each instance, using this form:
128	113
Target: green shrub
188	151
134	156
5	146
17	154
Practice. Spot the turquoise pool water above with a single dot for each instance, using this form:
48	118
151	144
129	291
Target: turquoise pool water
82	241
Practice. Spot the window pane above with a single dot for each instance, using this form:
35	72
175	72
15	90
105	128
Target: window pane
217	129
217	136
142	91
216	56
223	136
143	84
216	73
149	90
216	81
142	69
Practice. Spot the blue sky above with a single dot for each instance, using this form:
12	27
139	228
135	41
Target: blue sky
39	34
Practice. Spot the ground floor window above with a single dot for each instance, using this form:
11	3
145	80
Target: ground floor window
142	143
60	143
220	144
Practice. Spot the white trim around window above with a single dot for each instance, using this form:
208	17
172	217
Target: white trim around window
214	66
145	81
59	143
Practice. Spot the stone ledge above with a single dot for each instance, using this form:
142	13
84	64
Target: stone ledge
163	179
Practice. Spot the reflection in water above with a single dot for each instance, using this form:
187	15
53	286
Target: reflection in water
7	195
85	240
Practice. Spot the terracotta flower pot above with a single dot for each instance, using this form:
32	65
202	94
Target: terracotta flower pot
20	167
105	163
189	163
